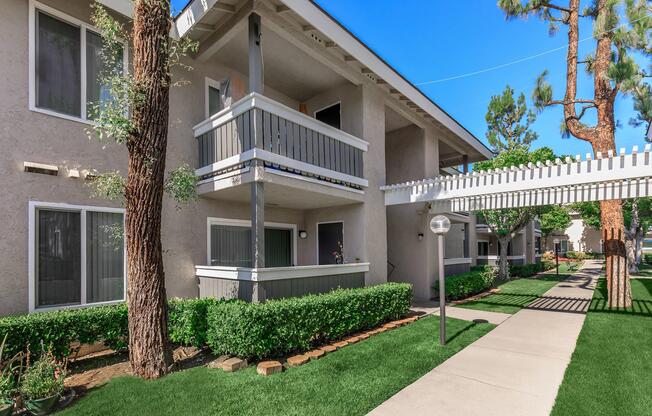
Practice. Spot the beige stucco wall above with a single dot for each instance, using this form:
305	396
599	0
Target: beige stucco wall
30	136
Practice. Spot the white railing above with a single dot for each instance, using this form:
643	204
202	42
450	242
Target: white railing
614	176
279	273
457	260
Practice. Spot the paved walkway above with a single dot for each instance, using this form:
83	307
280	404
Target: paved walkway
461	313
515	369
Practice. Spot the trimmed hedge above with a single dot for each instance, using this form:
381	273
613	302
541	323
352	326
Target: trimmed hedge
461	286
107	324
59	329
278	327
648	258
526	270
187	320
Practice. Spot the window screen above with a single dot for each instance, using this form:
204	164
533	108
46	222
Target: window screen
58	71
96	70
214	101
58	258
104	257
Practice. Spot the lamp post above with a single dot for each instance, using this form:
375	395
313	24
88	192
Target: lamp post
556	243
440	225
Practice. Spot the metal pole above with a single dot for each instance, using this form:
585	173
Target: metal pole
442	291
557	257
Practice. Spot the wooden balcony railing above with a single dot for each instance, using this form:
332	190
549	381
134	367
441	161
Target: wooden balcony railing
258	128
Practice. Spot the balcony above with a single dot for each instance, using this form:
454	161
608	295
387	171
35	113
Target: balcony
287	143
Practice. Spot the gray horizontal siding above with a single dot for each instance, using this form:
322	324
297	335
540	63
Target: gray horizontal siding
276	289
258	128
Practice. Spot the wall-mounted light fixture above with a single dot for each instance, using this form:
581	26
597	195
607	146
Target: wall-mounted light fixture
420	236
303	234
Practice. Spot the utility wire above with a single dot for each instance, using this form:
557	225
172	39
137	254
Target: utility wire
527	58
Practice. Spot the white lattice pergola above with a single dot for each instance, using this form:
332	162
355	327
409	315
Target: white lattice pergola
614	176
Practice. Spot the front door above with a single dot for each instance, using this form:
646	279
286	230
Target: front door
330	240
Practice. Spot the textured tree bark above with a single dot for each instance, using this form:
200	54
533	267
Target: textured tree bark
149	352
503	264
602	139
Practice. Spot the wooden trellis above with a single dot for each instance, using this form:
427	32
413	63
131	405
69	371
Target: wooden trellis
614	176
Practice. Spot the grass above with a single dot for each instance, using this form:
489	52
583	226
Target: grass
517	294
644	270
352	381
609	372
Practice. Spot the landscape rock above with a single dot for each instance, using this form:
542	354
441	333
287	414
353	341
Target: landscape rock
266	368
315	354
234	364
297	360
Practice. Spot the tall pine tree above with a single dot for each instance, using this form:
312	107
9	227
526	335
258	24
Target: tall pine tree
618	33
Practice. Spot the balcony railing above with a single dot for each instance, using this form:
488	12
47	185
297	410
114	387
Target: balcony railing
258	128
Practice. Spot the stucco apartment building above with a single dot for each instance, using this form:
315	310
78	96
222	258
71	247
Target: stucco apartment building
292	124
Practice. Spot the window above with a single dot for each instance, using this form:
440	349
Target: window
330	115
76	255
229	243
509	248
330	239
65	65
218	96
483	248
537	245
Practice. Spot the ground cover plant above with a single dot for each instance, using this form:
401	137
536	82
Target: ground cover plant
351	381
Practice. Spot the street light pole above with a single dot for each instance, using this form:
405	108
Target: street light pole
440	225
556	243
442	291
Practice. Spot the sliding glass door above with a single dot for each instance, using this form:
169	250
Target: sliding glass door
230	246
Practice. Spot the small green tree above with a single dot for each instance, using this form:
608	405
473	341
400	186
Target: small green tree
506	223
508	122
554	218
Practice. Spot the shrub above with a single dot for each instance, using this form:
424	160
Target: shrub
187	320
44	378
548	265
471	283
277	327
58	330
525	270
648	258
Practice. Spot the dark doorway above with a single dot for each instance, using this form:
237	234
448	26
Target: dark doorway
330	236
330	115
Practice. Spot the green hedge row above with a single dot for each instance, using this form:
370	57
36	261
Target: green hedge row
526	270
461	286
108	324
278	327
648	258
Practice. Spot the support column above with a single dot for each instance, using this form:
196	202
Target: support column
466	240
255	55
258	224
465	164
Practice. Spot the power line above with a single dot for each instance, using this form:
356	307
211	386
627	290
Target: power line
527	58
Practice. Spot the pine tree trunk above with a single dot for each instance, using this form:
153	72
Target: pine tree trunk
503	264
149	352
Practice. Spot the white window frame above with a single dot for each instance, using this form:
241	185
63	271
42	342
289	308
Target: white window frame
82	209
314	113
210	82
317	237
247	224
33	7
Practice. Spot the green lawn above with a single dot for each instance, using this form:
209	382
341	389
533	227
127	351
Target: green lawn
516	294
610	372
351	381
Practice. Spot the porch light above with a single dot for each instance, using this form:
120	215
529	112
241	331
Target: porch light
303	234
440	225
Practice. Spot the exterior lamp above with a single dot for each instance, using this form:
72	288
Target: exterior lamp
440	225
303	234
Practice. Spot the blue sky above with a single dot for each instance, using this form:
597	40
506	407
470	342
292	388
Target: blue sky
429	40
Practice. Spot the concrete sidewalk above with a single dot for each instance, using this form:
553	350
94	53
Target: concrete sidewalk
516	369
429	308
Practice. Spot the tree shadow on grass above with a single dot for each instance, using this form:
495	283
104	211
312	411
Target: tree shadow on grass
641	299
